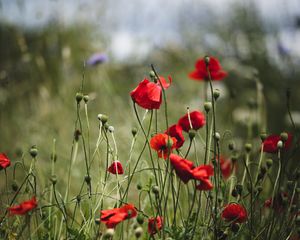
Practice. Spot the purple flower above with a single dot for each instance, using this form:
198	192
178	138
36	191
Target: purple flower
96	59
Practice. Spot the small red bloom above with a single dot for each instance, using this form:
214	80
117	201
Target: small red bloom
183	167
4	161
24	207
226	167
148	94
176	132
197	120
278	204
112	217
163	144
270	143
214	67
234	212
116	167
202	173
154	224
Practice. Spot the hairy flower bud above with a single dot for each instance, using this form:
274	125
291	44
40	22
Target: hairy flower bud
207	106
33	151
78	97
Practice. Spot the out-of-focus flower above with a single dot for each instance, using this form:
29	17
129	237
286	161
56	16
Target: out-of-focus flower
195	118
226	167
182	167
176	132
214	67
148	95
234	212
96	59
116	167
4	161
163	144
112	217
203	174
154	224
270	143
24	207
279	200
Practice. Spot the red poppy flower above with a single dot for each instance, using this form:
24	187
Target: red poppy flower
112	217
226	167
270	143
234	212
163	144
154	224
203	173
4	161
176	132
197	120
116	167
183	167
24	207
214	67
148	94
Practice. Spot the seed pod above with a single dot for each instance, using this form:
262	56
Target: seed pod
207	106
269	163
140	219
78	97
33	151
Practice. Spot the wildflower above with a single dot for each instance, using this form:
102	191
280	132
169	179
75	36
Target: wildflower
234	212
154	224
24	207
163	144
270	143
183	167
202	173
176	132
96	59
4	161
116	167
214	67
112	217
148	94
226	167
195	118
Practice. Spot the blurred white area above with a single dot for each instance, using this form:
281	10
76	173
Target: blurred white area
134	27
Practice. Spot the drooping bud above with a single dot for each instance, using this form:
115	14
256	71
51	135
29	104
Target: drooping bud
216	94
192	134
231	146
280	144
155	190
103	118
109	233
284	136
269	162
248	147
138	232
78	97
217	136
134	131
207	106
77	134
263	136
140	219
86	98
33	151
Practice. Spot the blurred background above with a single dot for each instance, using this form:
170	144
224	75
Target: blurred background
44	45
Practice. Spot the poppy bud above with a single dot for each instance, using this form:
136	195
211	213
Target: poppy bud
79	97
140	219
231	146
284	136
235	227
77	134
14	186
263	136
87	179
217	136
239	188
33	151
248	147
138	232
53	179
207	106
86	98
269	162
152	74
103	118
97	221
192	134
155	190
111	129
216	94
206	60
280	144
139	186
234	193
109	233
134	131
